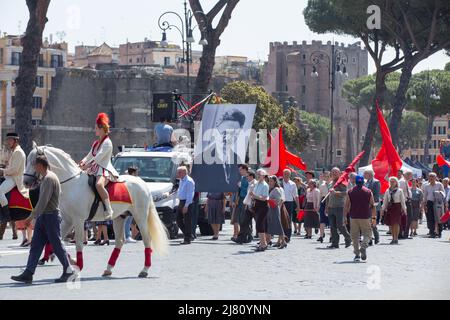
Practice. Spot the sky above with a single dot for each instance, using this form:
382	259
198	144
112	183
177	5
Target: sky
254	24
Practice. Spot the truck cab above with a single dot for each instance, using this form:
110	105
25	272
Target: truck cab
157	167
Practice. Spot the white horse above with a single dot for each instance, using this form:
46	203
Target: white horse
76	200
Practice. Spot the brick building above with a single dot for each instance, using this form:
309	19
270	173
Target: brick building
288	73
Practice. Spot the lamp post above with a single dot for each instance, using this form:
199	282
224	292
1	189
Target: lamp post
335	64
186	31
431	93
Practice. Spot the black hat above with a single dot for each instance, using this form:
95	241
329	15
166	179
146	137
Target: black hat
12	135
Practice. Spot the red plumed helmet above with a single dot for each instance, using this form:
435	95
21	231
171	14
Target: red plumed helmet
102	120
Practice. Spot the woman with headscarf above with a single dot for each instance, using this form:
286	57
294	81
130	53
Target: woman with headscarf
394	206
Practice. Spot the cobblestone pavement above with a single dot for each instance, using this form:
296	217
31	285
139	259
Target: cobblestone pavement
414	269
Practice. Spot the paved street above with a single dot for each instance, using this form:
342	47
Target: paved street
415	269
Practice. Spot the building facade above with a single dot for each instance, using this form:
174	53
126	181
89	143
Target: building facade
288	73
441	130
52	56
90	56
151	53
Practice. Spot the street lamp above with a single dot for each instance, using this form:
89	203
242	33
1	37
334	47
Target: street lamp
186	31
335	64
431	93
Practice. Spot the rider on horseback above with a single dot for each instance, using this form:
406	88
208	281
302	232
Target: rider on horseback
13	173
98	161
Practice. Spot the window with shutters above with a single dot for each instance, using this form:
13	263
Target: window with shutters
40	81
37	102
16	58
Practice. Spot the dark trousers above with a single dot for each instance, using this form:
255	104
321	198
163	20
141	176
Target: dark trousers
376	234
47	229
336	219
194	217
430	217
184	221
245	227
408	218
290	207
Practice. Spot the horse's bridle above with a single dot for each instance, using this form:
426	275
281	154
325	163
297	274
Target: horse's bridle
36	178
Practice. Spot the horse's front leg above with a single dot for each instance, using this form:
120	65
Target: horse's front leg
118	226
79	239
66	227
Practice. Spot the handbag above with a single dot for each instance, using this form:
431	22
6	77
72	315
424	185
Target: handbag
285	218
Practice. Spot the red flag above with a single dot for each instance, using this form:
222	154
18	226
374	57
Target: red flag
300	215
440	160
387	162
285	158
445	217
351	168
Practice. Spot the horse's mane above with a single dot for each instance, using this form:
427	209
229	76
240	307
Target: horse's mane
63	154
58	155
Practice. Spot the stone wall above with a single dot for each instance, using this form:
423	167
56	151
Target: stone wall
77	97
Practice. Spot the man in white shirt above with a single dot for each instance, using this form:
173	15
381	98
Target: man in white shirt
13	174
428	198
291	198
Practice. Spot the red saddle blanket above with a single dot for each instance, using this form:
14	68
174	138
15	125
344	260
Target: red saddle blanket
118	192
18	201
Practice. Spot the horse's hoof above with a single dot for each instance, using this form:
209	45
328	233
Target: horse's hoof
106	273
143	274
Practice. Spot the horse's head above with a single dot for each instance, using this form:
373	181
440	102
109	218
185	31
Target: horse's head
31	176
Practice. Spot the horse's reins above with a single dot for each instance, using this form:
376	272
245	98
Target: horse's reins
67	180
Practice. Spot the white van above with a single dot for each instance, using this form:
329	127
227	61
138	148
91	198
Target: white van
157	167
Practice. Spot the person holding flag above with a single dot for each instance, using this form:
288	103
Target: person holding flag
335	210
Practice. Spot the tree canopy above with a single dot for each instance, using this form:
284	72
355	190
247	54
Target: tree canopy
269	113
441	80
415	29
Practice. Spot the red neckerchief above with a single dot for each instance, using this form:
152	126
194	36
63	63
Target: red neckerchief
97	144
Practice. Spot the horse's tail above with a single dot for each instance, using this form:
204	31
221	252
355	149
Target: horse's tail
157	230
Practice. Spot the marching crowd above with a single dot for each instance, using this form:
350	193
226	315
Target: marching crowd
281	207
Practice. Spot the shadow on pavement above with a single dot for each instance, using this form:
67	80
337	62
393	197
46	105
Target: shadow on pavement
348	262
44	282
23	266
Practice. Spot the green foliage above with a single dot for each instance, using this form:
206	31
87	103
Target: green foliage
360	92
447	66
412	128
319	126
269	114
349	17
418	88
